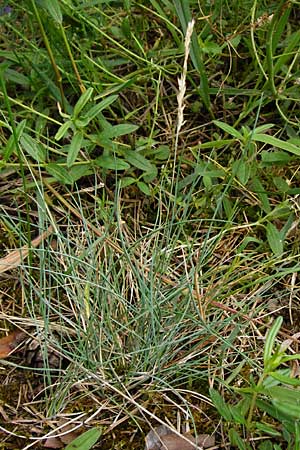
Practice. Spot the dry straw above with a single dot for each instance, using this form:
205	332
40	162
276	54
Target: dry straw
182	79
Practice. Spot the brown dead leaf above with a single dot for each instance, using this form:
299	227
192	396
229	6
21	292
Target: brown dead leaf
15	258
66	433
162	438
53	442
9	343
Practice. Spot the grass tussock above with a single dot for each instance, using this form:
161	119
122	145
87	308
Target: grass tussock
157	142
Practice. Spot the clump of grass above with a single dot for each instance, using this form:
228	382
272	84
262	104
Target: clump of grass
175	235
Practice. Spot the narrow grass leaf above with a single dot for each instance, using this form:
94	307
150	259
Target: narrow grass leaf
86	440
74	148
229	129
270	339
83	100
275	142
274	239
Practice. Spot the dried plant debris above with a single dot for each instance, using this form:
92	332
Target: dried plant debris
162	438
66	433
16	257
10	343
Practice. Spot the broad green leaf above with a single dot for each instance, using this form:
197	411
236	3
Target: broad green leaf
118	130
285	379
127	181
96	109
237	415
60	173
290	357
144	187
219	143
267	445
295	141
15	77
267	428
292	45
281	184
151	175
270	382
11	144
220	404
33	148
54	10
263	128
275	142
229	129
274	239
74	148
111	163
162	152
270	339
80	170
139	161
83	100
289	409
242	170
61	132
236	440
269	408
262	195
86	440
275	157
